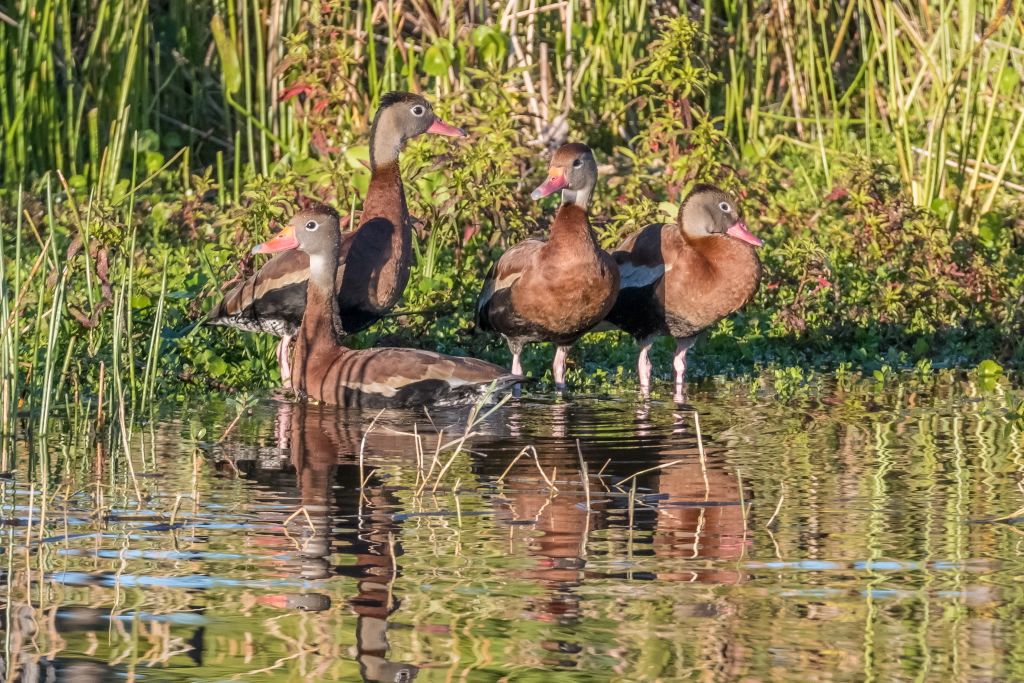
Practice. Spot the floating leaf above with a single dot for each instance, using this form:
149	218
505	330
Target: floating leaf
216	366
989	368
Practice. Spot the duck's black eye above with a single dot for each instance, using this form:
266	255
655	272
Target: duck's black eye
724	206
312	225
418	110
577	163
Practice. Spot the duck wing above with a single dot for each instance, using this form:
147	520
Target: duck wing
494	311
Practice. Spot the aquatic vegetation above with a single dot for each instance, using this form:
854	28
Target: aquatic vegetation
876	149
846	497
864	530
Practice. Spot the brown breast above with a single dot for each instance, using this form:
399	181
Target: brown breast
705	280
571	283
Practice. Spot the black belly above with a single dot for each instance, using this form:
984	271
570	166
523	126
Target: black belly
279	312
637	312
499	315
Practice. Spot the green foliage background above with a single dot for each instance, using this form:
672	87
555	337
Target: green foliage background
146	146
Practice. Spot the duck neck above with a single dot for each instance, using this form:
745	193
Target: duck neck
580	197
321	323
572	226
385	197
385	140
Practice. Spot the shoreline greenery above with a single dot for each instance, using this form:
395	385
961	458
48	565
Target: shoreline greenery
877	148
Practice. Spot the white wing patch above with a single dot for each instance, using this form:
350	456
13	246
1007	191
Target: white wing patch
640	276
493	286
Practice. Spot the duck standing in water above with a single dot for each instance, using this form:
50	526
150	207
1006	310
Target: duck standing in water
326	371
681	279
557	289
373	260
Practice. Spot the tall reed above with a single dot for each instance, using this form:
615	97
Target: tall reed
935	84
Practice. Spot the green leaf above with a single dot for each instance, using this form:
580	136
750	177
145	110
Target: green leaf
153	161
989	368
438	58
941	207
990	229
231	72
921	347
1008	80
668	210
216	366
307	167
355	154
148	140
490	43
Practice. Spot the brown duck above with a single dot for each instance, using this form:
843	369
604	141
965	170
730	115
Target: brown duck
553	290
326	371
373	265
680	279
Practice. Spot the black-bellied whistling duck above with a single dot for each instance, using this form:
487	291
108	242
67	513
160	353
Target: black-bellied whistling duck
681	279
326	371
373	266
553	290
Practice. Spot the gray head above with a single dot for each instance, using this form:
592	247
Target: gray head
314	230
709	211
400	117
573	170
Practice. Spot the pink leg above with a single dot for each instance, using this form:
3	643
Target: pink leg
284	361
679	365
283	424
558	367
517	369
644	366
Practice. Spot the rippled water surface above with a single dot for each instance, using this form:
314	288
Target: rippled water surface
847	537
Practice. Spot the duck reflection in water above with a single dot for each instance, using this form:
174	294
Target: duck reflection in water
327	480
687	511
700	513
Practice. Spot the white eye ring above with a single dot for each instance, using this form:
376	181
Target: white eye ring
724	206
312	225
418	110
577	163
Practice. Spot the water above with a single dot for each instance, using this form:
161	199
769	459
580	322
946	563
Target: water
847	536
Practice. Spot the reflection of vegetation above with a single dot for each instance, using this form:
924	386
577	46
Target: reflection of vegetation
878	564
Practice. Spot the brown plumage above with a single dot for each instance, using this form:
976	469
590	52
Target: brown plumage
373	260
680	279
326	371
557	289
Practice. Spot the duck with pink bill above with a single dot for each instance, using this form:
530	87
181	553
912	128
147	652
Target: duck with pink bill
554	289
680	279
325	370
373	260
